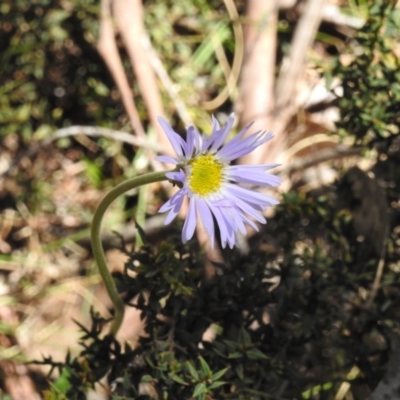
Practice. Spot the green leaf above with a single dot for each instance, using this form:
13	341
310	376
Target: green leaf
93	171
244	337
23	113
126	383
59	388
256	354
239	371
193	371
231	344
218	374
205	368
218	352
215	385
55	17
100	88
149	362
235	354
147	378
178	379
43	131
199	390
206	48
218	329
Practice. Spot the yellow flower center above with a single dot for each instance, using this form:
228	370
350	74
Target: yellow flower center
206	175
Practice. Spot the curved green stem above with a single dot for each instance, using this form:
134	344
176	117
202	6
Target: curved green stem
97	246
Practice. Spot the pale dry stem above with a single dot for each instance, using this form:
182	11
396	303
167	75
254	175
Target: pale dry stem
107	48
256	86
129	23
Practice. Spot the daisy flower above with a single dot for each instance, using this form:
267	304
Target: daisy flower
205	176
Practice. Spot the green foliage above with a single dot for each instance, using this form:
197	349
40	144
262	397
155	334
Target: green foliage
185	35
50	72
370	104
236	335
300	338
60	387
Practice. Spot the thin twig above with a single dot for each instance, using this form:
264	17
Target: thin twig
237	59
107	47
169	86
96	131
324	155
129	23
332	13
290	72
256	87
292	68
379	271
377	282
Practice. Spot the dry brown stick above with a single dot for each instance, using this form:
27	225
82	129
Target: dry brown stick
166	81
340	151
224	63
292	68
256	86
332	13
379	271
237	59
291	71
377	282
107	48
129	22
97	131
289	75
94	131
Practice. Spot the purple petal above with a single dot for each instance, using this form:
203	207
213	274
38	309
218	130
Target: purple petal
178	176
237	216
190	221
190	141
250	208
175	140
173	205
231	237
206	217
167	159
173	202
235	149
252	211
248	221
219	136
250	196
261	167
243	175
215	123
225	226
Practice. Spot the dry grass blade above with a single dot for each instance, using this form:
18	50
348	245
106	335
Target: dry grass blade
256	88
232	75
107	47
129	22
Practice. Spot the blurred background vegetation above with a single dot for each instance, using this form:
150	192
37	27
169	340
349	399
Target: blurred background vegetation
308	309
